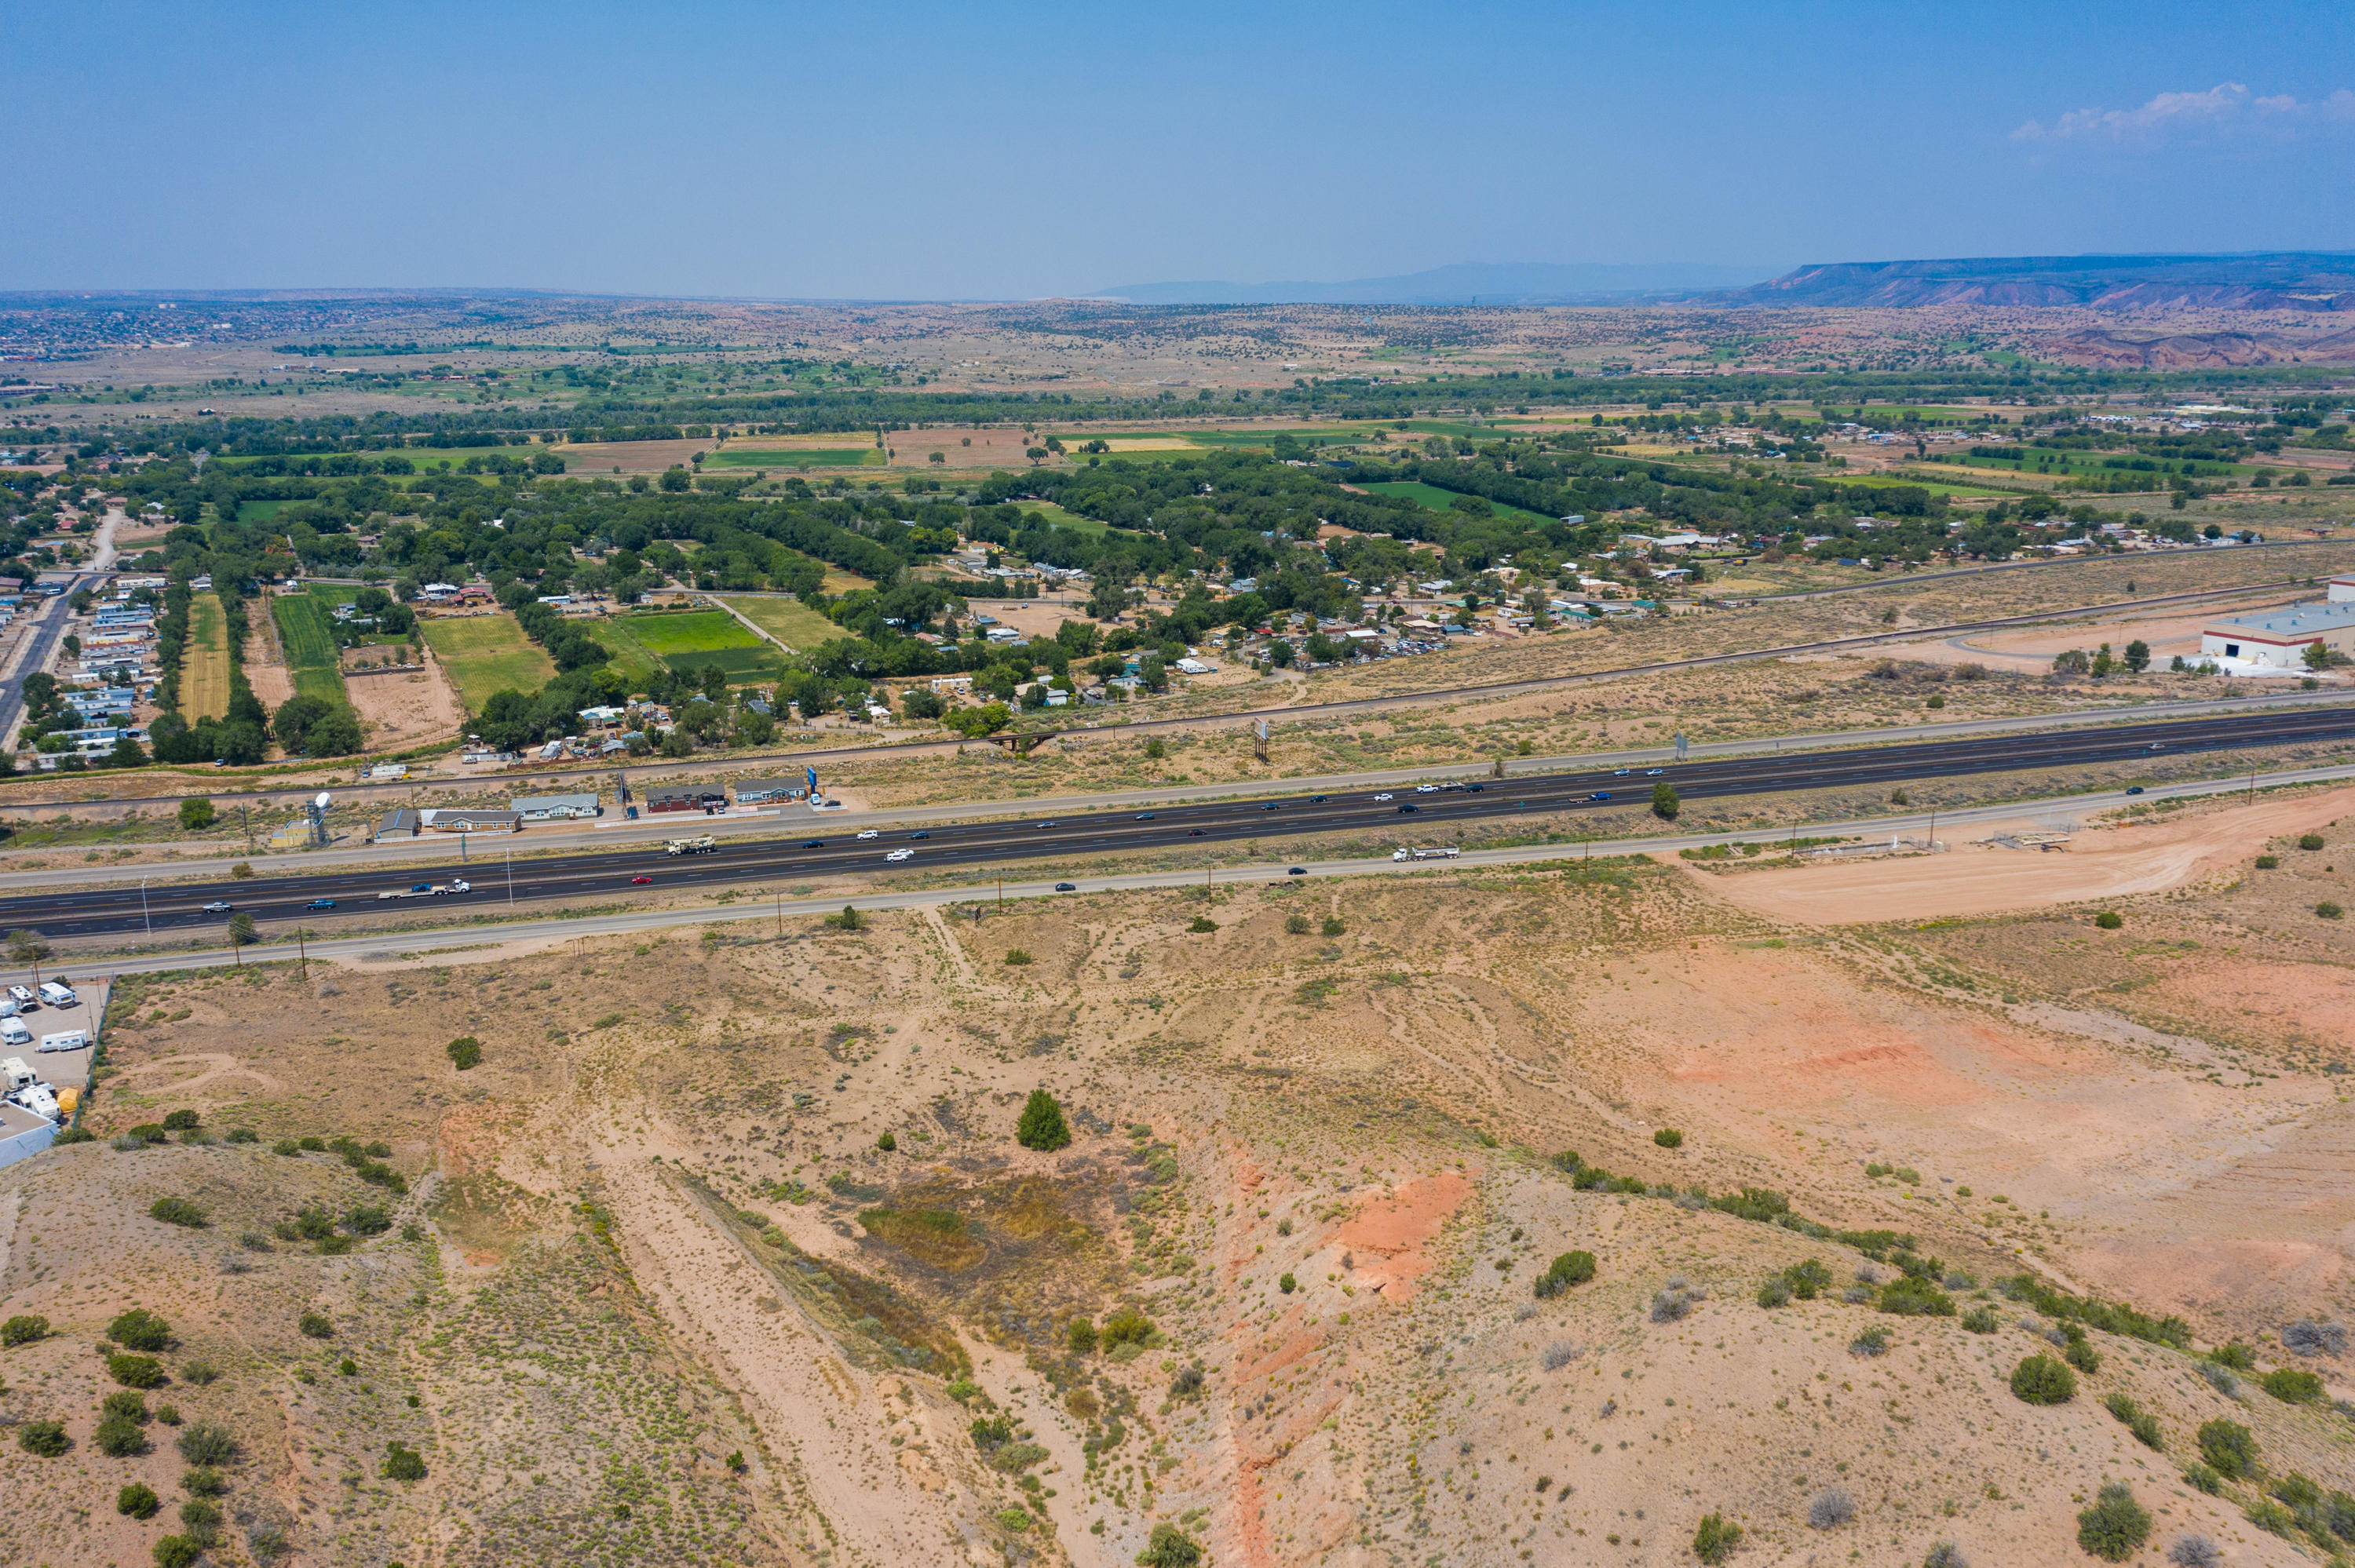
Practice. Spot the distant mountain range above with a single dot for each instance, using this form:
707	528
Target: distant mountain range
1464	283
2254	281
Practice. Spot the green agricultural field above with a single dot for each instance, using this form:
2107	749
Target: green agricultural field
306	632
776	458
258	511
1434	499
789	621
2100	465
659	639
486	653
1937	486
205	669
1057	517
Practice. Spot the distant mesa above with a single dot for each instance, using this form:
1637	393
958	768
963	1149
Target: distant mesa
1463	283
2306	281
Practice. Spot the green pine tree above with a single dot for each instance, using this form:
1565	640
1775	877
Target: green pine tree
1042	1126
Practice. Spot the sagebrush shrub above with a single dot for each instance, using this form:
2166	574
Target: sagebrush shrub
1714	1541
135	1372
45	1438
1831	1509
2115	1528
2195	1551
139	1329
206	1443
2293	1387
2041	1380
2307	1338
2229	1448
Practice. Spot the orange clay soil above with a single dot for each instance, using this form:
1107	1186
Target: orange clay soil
2145	855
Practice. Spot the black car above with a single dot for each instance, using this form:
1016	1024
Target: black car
922	835
1194	833
813	843
2134	788
1269	806
1409	806
1297	871
1476	789
1315	799
1067	887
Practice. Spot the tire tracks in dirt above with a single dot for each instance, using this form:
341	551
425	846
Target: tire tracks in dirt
822	1420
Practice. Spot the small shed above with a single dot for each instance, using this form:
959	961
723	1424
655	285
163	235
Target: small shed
401	822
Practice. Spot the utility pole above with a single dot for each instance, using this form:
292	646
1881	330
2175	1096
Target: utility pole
243	820
301	955
144	917
510	879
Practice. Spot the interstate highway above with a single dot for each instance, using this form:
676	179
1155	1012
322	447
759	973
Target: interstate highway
177	908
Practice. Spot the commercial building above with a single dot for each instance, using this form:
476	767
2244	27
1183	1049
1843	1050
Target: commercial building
556	807
688	797
470	820
2278	640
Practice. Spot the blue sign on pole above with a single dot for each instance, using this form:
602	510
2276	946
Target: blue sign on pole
813	779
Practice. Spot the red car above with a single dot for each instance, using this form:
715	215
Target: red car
641	881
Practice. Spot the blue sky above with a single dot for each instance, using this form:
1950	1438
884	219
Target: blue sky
925	150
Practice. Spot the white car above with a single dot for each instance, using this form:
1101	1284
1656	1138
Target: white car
871	834
1384	796
1426	788
901	855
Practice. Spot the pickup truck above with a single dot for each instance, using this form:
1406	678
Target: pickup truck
428	890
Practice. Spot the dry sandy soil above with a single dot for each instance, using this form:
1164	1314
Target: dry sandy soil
2116	858
657	1215
405	708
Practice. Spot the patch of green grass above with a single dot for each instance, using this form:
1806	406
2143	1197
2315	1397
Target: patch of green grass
791	622
487	653
644	643
1432	498
204	675
258	511
666	633
306	632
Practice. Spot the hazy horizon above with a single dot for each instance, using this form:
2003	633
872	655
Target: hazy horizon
733	151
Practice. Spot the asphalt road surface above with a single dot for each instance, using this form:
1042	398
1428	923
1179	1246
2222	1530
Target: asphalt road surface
834	850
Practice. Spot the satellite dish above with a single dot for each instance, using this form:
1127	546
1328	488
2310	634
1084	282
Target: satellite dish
322	801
